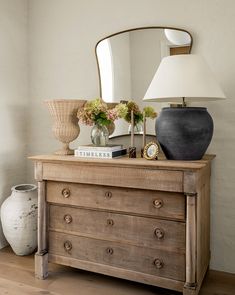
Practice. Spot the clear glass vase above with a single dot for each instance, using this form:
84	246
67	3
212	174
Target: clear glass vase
138	128
99	135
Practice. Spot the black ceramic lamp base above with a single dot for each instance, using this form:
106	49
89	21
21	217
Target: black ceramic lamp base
184	133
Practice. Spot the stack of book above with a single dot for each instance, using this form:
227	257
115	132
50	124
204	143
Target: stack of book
104	152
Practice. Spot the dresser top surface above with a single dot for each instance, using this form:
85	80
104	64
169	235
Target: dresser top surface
127	162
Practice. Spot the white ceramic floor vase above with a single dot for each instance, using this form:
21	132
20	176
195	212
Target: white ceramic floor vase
19	219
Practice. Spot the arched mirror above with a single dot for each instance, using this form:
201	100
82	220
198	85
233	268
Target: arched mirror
128	60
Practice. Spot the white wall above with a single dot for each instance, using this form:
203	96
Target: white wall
62	40
13	96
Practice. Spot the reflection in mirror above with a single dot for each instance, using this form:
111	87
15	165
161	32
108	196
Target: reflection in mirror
128	60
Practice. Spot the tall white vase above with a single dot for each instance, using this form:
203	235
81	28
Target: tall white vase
19	218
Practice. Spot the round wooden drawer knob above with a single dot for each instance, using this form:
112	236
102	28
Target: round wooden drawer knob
158	263
66	193
108	195
159	233
109	251
68	246
68	218
110	222
158	203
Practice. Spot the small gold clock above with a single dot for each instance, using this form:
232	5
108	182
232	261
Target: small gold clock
151	151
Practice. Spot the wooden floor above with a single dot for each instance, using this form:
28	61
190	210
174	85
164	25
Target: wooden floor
17	278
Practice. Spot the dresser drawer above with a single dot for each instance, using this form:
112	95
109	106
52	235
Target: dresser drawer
141	177
141	231
145	202
140	259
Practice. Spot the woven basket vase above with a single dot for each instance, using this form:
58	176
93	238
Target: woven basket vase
65	122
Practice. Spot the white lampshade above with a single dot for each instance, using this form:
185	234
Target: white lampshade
185	75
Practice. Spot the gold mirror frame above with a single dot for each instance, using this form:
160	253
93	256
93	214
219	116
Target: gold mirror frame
130	30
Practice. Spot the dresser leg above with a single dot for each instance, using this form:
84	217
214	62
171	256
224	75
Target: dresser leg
41	266
187	291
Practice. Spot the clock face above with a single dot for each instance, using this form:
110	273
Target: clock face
151	151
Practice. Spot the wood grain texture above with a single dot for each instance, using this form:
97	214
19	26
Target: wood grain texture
163	180
190	182
17	273
188	291
104	214
41	257
42	217
9	287
132	201
38	175
120	273
155	233
41	266
139	259
191	241
193	181
203	224
126	162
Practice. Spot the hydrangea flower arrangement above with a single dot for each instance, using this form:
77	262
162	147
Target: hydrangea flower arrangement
97	112
148	112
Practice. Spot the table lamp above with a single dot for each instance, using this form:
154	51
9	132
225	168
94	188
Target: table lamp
184	133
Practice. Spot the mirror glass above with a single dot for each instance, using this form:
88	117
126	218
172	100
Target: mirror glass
128	60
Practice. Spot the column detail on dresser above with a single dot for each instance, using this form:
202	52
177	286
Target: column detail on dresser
191	241
145	221
41	256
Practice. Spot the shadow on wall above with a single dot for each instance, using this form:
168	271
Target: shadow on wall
4	193
12	152
10	174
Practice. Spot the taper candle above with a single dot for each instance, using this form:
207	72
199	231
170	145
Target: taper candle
132	128
144	130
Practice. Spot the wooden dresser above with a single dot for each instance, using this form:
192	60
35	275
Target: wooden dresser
146	221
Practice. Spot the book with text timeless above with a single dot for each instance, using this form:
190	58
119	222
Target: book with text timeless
103	152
